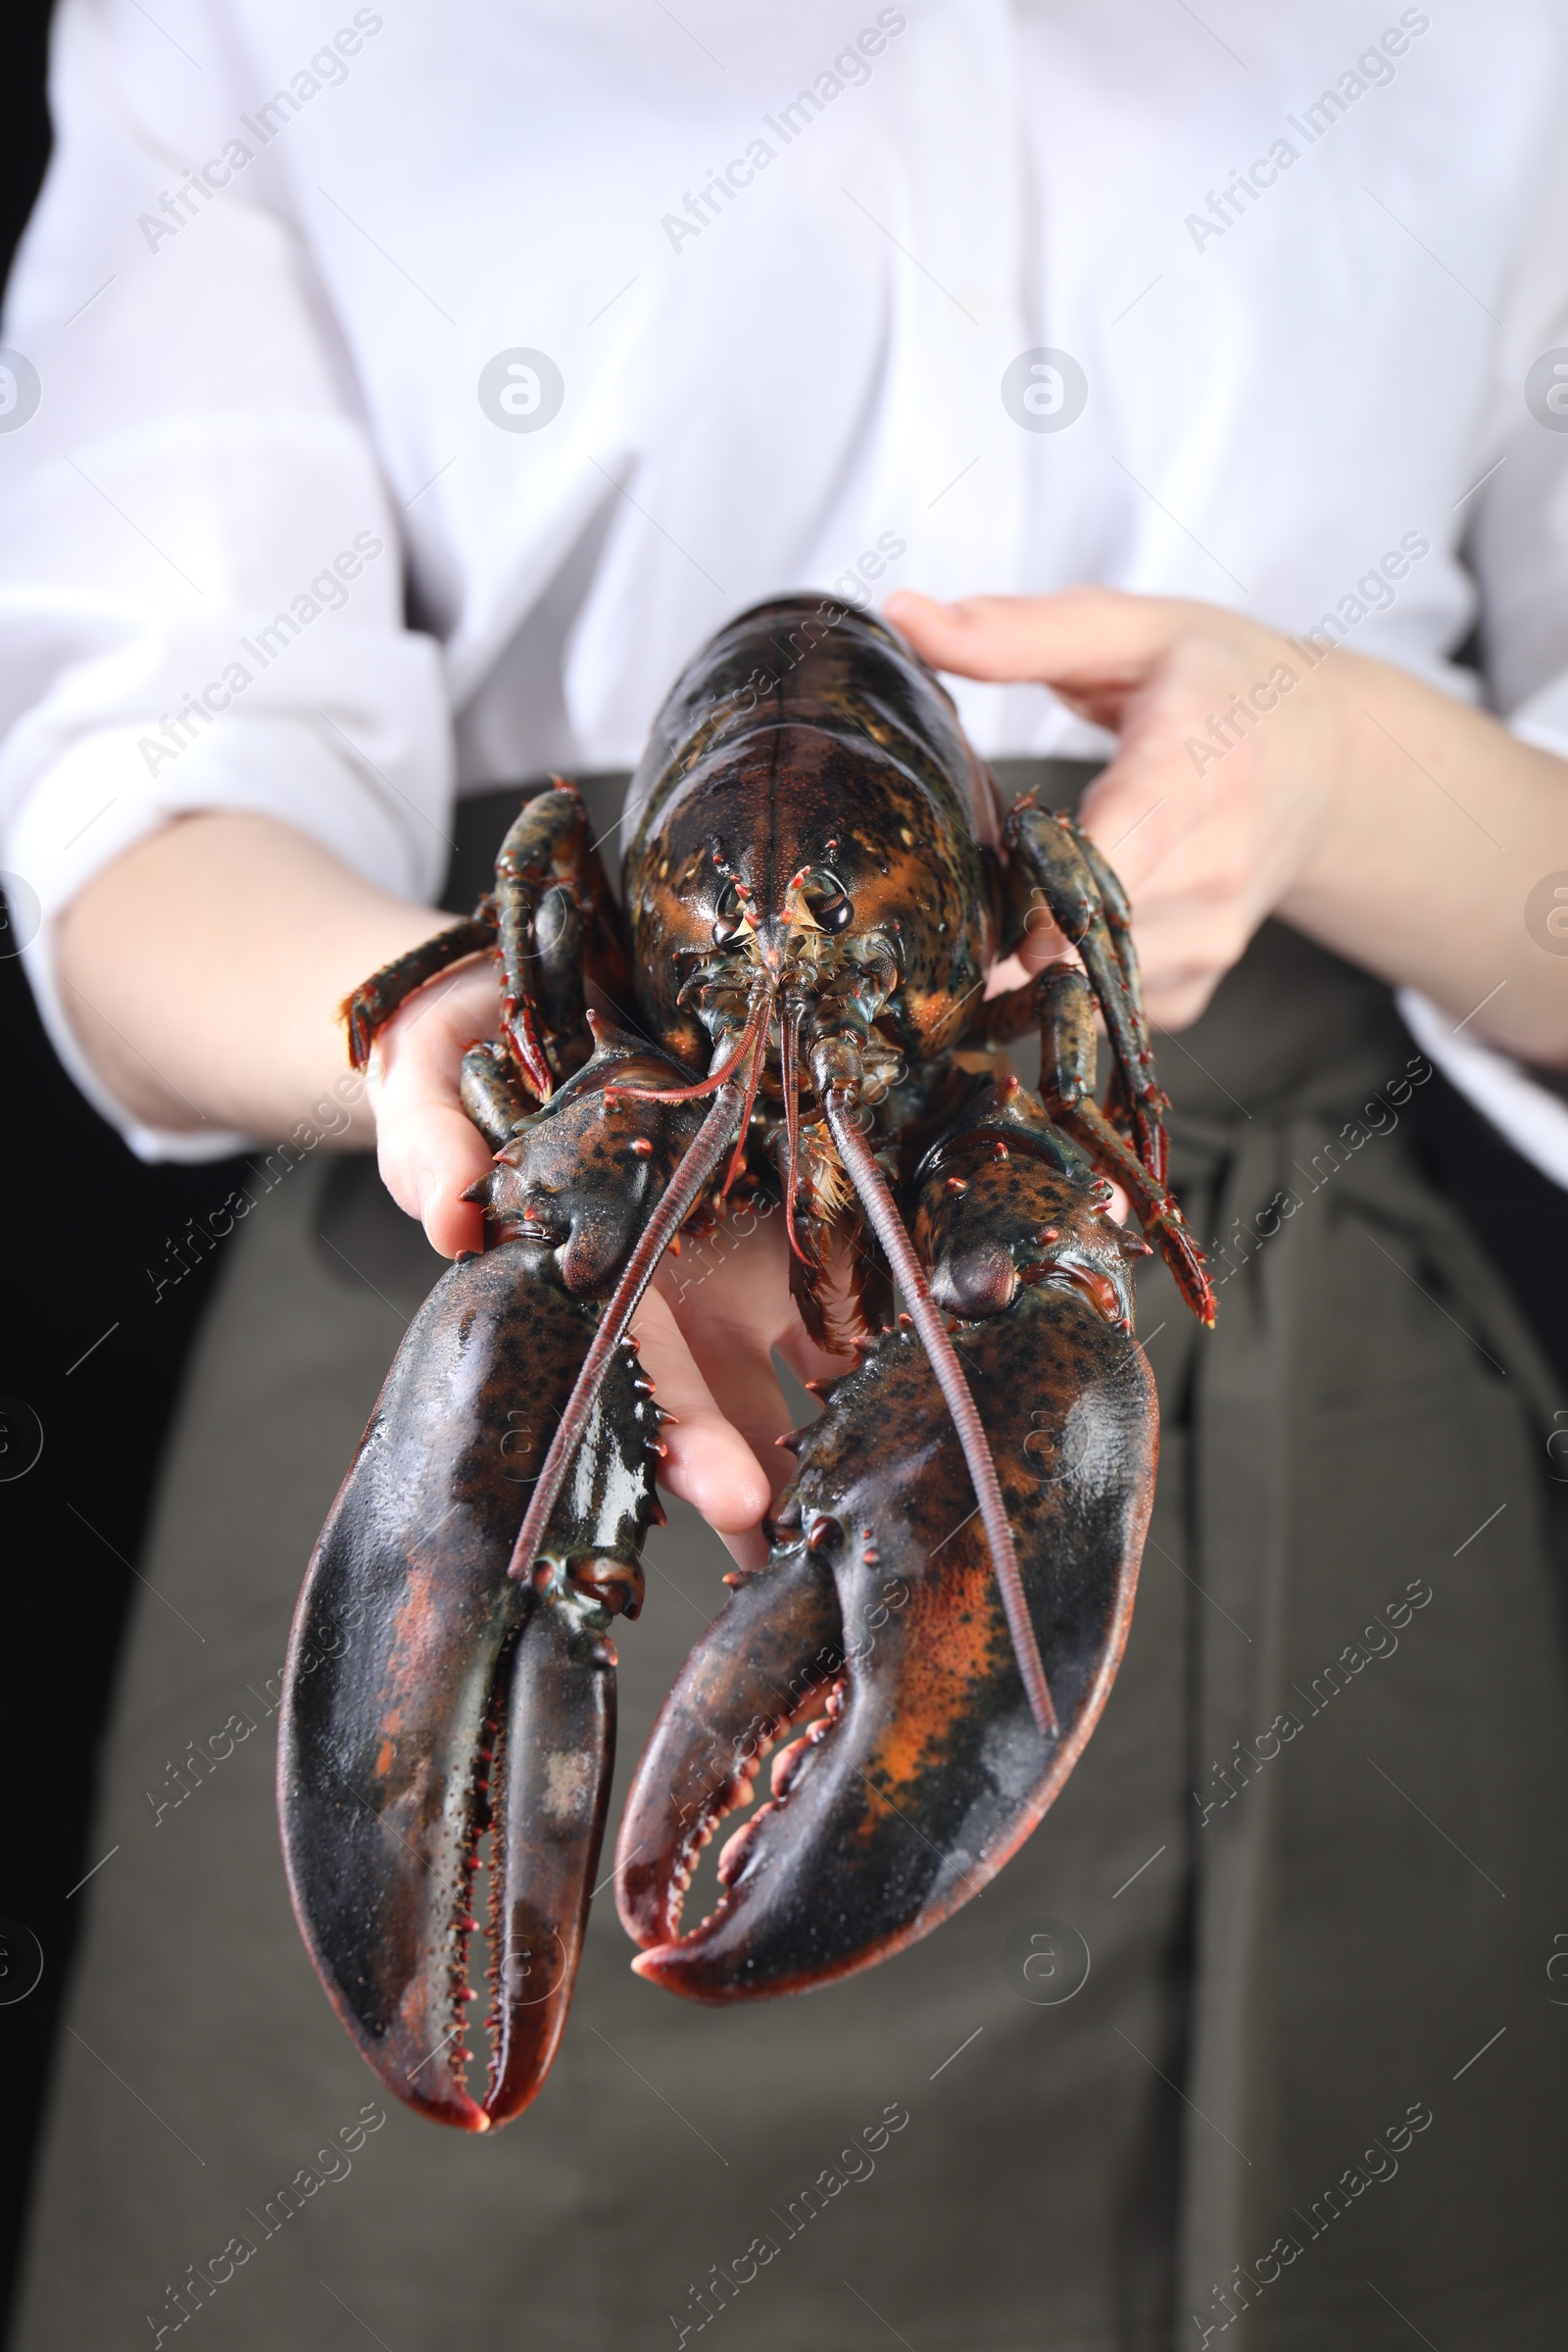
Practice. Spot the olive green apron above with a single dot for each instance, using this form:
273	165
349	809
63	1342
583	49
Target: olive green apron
1262	2039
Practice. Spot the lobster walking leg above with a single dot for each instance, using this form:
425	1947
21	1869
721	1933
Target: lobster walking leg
376	1000
1067	1057
558	926
555	926
1053	856
492	1093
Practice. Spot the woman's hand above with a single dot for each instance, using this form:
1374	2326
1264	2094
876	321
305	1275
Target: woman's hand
1396	825
1208	819
427	1148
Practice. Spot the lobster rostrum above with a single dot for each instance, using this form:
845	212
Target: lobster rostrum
818	882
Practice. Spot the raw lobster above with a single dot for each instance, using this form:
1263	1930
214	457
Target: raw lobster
819	881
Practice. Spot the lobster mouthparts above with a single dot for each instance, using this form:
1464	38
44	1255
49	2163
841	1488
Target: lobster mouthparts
879	1616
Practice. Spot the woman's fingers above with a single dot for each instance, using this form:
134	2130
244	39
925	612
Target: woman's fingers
732	1294
713	1319
707	1462
1214	801
428	1149
1091	644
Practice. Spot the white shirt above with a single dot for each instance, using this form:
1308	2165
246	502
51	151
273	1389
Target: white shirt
779	267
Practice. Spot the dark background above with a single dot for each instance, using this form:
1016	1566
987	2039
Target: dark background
82	1222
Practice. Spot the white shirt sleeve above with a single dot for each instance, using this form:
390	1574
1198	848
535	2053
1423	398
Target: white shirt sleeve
1517	546
1517	542
201	600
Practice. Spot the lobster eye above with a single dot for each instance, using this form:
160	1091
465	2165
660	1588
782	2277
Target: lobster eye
829	901
726	915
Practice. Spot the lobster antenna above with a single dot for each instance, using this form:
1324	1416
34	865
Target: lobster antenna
761	998
675	1203
753	1081
788	1049
879	1205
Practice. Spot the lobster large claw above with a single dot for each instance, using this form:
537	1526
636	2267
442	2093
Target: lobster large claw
431	1699
879	1616
439	1712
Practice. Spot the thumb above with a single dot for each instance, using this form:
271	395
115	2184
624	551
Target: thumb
1093	645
